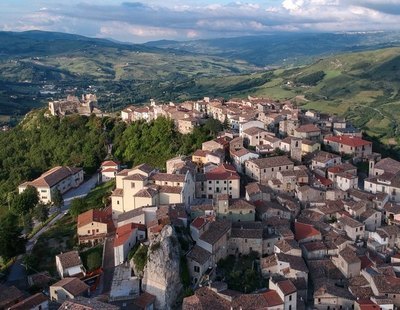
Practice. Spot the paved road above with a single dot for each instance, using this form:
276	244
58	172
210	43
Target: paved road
17	275
108	265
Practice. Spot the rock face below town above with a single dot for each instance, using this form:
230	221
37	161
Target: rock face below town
162	271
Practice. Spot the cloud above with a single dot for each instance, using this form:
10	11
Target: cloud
179	19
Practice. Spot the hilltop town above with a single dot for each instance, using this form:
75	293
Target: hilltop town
284	209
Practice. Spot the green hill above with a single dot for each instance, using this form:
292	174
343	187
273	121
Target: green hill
285	48
362	86
32	61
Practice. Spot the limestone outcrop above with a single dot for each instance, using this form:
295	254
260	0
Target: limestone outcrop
162	272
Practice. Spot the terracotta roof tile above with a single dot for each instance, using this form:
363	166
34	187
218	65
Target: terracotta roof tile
69	259
123	233
348	140
303	231
72	285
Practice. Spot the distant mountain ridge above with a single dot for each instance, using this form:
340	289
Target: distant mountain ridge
284	48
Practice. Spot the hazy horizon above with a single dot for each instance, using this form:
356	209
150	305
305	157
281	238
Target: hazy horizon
138	22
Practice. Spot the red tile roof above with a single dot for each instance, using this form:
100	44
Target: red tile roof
101	216
348	140
223	172
110	163
123	233
199	222
324	181
287	287
303	231
272	298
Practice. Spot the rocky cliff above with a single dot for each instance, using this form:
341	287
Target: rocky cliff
162	272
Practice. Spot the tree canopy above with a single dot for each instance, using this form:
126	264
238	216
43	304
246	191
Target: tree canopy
11	241
23	203
40	143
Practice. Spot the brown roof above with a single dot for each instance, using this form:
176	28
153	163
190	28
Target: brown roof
130	214
146	192
255	188
9	295
135	177
253	131
118	192
287	287
69	259
323	157
168	177
247	233
54	176
205	298
73	285
82	303
269	162
144	167
388	164
348	221
308	128
240	204
170	189
198	254
215	231
30	302
295	262
286	245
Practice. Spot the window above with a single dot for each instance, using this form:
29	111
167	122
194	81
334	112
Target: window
209	182
290	297
196	269
132	184
117	202
245	240
210	188
217	182
88	231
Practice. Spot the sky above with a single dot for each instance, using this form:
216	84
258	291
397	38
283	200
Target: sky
151	20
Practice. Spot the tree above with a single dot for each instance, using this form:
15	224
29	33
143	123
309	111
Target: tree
213	126
26	201
41	212
226	124
57	199
11	241
78	205
27	223
10	198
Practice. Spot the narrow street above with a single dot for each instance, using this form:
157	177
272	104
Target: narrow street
108	265
17	275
